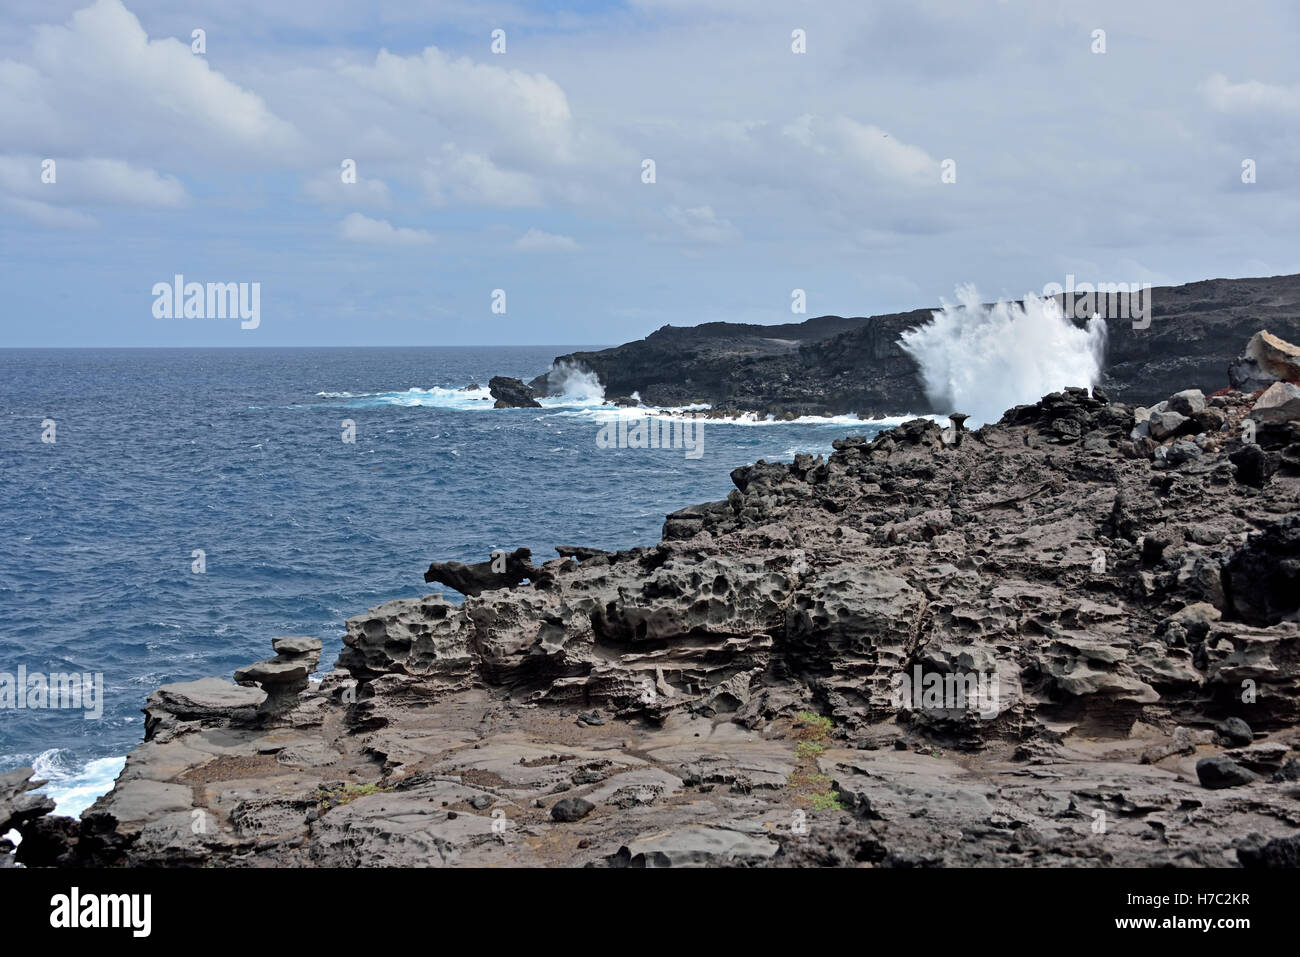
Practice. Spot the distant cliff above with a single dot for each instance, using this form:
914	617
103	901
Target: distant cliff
839	365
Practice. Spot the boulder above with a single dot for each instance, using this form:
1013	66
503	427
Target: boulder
512	393
1181	452
1188	402
1279	403
571	809
1235	732
1267	359
1218	773
1262	577
1278	853
1254	465
1163	425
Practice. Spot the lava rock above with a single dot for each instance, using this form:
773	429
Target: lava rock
1254	465
1181	452
1262	578
512	393
1279	403
1188	402
1218	773
1234	733
1266	359
1279	852
571	809
483	576
283	677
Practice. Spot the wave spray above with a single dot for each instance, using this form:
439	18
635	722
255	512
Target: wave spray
983	360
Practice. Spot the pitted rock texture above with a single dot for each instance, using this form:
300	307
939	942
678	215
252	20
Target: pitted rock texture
732	694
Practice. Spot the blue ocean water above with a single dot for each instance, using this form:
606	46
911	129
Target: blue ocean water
239	453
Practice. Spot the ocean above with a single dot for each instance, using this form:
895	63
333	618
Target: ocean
168	512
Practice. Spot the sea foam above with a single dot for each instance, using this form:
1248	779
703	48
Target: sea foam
983	360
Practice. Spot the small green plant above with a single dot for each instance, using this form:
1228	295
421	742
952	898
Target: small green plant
350	792
808	749
826	801
820	724
811	788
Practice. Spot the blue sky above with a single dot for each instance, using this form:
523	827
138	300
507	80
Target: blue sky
522	170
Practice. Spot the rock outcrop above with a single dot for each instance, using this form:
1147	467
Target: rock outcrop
1070	637
283	677
512	393
1267	360
834	365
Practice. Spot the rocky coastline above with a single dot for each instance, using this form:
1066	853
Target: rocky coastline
1110	591
832	365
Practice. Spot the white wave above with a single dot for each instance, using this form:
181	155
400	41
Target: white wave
465	400
608	413
72	789
568	385
983	360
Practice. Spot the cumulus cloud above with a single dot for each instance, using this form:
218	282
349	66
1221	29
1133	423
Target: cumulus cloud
522	112
99	83
816	171
362	229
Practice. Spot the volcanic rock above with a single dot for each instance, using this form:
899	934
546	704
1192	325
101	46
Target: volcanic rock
512	393
501	571
837	365
1279	403
1235	732
994	633
1216	773
283	677
1266	360
571	809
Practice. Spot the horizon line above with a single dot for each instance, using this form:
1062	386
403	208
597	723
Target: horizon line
552	345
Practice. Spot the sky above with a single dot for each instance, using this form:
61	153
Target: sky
503	196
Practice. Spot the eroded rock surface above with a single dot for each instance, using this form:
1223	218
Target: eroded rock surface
1047	641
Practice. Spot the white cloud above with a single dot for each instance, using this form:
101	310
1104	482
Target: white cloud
91	182
363	229
509	107
1252	96
535	240
473	179
864	147
99	83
